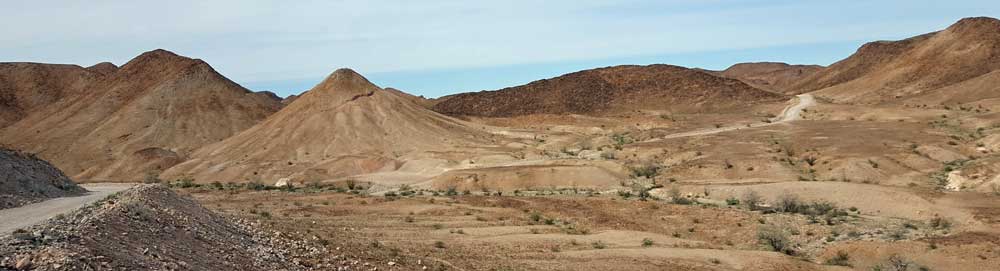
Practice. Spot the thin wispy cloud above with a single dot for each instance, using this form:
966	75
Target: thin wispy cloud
266	41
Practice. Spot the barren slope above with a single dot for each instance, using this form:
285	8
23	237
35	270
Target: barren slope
144	117
343	126
888	70
608	90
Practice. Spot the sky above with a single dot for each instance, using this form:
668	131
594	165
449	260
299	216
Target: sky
439	47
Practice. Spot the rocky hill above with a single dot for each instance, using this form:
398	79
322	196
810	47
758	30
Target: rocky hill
343	126
148	227
29	87
609	90
771	76
143	117
889	70
26	179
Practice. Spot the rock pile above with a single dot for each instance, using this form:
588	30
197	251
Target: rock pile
148	227
26	179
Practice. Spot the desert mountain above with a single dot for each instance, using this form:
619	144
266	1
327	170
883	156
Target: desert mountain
343	126
145	116
103	68
27	87
888	70
771	76
608	90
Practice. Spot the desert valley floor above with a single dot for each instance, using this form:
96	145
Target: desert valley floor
886	160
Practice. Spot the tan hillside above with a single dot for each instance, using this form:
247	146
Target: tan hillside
609	90
343	126
888	70
144	117
27	87
771	76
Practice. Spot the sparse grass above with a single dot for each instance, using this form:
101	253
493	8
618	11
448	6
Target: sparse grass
841	259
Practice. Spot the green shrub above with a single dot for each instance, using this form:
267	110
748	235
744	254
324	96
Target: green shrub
599	245
646	242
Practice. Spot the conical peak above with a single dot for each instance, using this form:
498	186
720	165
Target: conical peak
346	84
345	76
159	59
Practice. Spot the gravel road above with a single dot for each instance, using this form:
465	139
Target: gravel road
29	215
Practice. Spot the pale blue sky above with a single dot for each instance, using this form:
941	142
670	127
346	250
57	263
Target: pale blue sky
438	47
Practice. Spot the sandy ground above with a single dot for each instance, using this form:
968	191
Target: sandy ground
568	231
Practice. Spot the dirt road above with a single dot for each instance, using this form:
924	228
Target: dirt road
28	215
790	113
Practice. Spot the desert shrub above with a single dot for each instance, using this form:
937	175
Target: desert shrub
256	186
940	223
439	244
646	242
752	200
811	161
775	238
732	201
452	191
648	170
608	155
894	263
788	203
995	187
535	216
408	219
599	245
841	259
822	208
185	183
152	177
677	198
624	194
